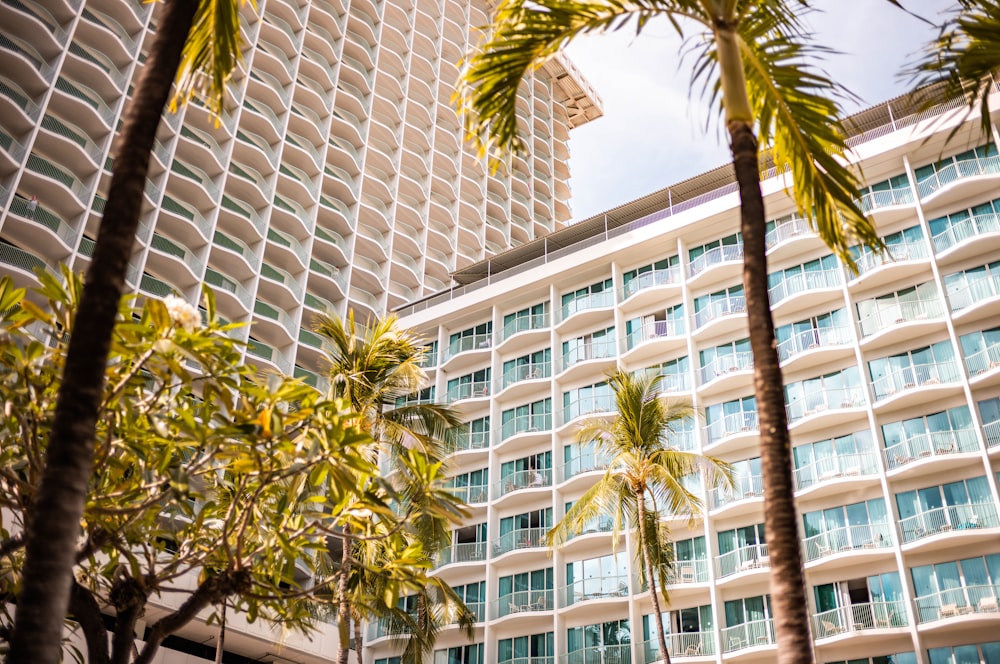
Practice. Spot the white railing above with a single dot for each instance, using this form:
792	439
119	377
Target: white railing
469	440
800	282
966	229
947	519
813	338
523	479
606	654
472	390
472	494
525	323
874	200
522	601
847	538
521	538
984	360
588	301
931	443
748	635
531	371
591	350
905	378
654	329
974	292
714	256
885	315
727	364
743	559
651	279
859	617
835	467
816	401
732	424
992	431
957	170
901	251
473	342
782	232
744	487
685	644
529	423
463	552
582	464
595	588
960	601
733	304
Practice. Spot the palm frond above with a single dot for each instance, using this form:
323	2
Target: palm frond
210	55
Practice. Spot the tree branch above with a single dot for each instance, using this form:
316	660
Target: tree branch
84	609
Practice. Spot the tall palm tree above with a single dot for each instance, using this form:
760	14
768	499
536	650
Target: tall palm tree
965	56
196	42
374	367
644	479
753	58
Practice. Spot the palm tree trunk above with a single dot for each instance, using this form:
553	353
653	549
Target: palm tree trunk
343	605
788	596
55	524
648	563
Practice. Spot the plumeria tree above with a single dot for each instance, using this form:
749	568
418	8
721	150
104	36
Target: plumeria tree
215	488
756	63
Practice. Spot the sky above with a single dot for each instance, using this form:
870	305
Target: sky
651	136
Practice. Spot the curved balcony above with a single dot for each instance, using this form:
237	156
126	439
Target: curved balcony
745	488
827	473
586	590
522	601
224	284
728	307
903	260
886	200
791	237
976	296
524	324
585	310
471	495
732	425
649	287
469	348
168	247
523	425
803	413
928	445
40	216
654	338
980	172
462	441
860	617
956	603
953	519
580	464
521	375
477	389
815	347
747	558
462	552
681	646
862	538
916	382
889	325
731	254
724	370
755	634
972	233
518	539
803	286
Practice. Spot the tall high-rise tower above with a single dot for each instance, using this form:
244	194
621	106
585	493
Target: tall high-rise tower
337	178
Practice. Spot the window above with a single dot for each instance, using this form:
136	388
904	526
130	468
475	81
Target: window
724	359
729	248
607	576
470	654
530	318
852	454
581	457
473	338
472	435
475	384
527	591
600	294
953	506
909	304
951	229
921	366
425	395
861	603
784	228
471	487
530	417
937	433
830	329
666	323
902	245
597	398
975	653
524	530
689	631
673	374
720	303
819	273
989	412
606	642
741	549
946	589
977	161
894	191
596	345
660	273
731	417
968	287
861	525
474	596
840	389
528	367
529	471
534	648
981	350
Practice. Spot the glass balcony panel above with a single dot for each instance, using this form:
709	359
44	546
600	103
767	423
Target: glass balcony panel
947	519
848	538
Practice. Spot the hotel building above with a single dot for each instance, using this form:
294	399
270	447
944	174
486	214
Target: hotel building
892	388
337	177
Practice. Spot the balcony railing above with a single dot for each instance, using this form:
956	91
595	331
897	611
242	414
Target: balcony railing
463	552
478	493
902	251
589	301
859	617
974	292
606	654
984	360
748	635
714	256
947	519
928	444
592	350
817	401
905	378
834	467
472	342
801	282
960	601
654	329
595	588
874	200
521	372
726	364
732	424
744	487
956	171
992	431
960	231
459	441
685	644
602	524
785	231
526	424
522	601
688	571
734	304
651	279
582	464
524	479
472	390
520	538
525	323
884	317
848	538
743	559
821	337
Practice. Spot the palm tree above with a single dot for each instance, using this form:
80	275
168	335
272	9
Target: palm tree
753	58
374	368
644	479
965	57
198	43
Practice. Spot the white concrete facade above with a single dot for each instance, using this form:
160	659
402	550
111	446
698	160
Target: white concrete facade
892	383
